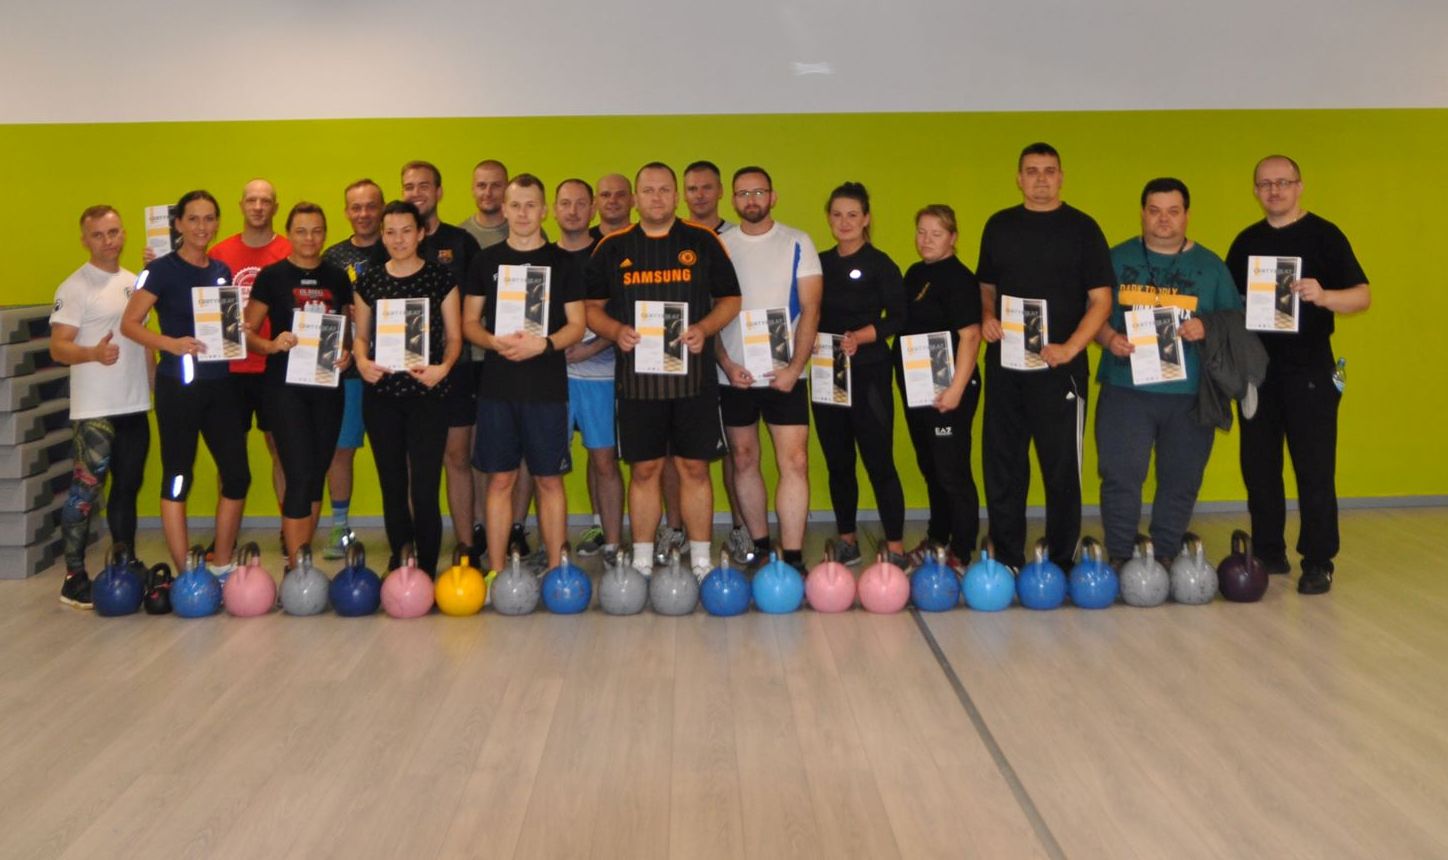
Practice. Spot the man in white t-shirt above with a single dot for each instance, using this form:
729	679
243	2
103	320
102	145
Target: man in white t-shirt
110	394
780	281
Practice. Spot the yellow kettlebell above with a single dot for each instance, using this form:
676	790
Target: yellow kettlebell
461	589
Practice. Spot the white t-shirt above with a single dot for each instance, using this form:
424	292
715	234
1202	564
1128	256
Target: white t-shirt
769	267
93	300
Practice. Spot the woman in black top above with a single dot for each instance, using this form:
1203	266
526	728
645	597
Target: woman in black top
305	417
865	302
943	295
405	412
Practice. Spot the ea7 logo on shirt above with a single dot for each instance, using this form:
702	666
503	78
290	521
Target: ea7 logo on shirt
688	257
945	432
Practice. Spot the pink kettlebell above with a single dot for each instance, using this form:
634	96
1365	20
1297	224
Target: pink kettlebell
884	588
407	592
249	591
830	587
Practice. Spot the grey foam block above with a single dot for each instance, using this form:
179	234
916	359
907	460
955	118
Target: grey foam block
17	428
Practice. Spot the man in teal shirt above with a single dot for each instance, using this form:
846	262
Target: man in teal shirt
1161	268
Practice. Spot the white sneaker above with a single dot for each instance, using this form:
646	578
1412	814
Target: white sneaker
222	572
646	570
701	571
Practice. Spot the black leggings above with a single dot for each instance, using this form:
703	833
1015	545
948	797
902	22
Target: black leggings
942	451
208	407
408	436
304	424
870	423
116	446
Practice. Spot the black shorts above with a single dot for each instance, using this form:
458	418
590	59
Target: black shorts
252	389
687	427
742	407
462	397
531	431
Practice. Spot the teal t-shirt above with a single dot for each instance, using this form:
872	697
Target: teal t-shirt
1196	280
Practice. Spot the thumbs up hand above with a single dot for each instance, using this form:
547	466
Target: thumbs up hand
107	353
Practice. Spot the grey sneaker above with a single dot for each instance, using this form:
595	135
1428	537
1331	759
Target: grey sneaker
740	548
847	553
610	555
337	543
590	542
898	560
667	540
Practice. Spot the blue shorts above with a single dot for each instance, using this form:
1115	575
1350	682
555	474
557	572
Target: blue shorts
591	410
511	431
350	436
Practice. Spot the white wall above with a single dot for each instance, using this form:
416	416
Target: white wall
150	60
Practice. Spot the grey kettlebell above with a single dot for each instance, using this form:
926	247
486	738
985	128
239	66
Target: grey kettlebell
1193	579
1144	582
515	590
623	590
675	591
304	588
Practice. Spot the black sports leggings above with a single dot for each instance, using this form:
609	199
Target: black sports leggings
942	451
869	422
212	409
116	446
304	423
408	437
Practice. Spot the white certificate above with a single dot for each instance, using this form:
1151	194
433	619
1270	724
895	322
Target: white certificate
216	314
523	296
158	230
1155	334
829	371
929	365
313	361
661	327
402	328
1024	324
1271	303
768	342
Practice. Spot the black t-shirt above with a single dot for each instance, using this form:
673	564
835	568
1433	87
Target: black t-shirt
543	377
283	287
354	260
942	296
1058	256
432	282
687	264
862	289
170	279
1327	256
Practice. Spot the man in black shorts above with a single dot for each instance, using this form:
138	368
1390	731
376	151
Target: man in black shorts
1298	400
663	259
1041	251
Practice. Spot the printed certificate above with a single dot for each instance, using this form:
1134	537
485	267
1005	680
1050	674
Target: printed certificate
661	325
1158	357
829	371
1026	333
402	328
160	238
313	361
929	365
1271	303
216	313
523	296
768	342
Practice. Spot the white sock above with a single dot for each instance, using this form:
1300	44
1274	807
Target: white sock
643	555
699	552
597	522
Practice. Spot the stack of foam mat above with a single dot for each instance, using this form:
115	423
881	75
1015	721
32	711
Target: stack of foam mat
35	457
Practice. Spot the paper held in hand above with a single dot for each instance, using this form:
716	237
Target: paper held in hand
160	238
929	365
829	371
523	296
313	361
1155	334
661	327
1271	303
402	341
1024	324
768	342
216	314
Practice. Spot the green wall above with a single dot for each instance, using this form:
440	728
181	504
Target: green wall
1371	171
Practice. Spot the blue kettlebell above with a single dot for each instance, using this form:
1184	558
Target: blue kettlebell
989	585
567	590
778	588
725	591
1042	583
117	590
197	592
356	590
934	586
1094	584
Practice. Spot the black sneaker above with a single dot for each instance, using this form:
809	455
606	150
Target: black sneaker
847	553
480	539
76	590
1314	580
1276	563
518	541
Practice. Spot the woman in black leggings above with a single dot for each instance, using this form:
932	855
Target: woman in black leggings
405	409
864	301
306	416
944	296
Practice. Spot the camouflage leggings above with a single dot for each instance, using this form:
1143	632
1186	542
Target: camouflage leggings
115	445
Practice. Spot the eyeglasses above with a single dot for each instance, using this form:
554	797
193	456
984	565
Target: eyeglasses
757	193
1279	184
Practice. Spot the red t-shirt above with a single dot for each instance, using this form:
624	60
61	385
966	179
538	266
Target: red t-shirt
244	262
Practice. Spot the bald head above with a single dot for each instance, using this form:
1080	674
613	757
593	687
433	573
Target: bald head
259	204
615	201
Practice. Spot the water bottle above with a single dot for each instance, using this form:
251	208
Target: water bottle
1339	375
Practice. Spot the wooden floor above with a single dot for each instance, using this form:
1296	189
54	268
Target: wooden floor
1297	727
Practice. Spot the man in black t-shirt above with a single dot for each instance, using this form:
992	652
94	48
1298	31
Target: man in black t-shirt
524	303
674	413
1298	400
1045	251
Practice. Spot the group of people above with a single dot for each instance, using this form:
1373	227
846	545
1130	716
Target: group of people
494	410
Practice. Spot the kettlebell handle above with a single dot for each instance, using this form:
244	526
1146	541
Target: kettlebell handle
120	555
1145	548
987	548
516	561
723	559
195	557
1042	550
1242	544
355	555
304	555
408	555
1192	545
458	556
830	550
1090	549
250	554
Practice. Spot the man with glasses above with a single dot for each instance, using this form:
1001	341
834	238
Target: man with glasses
1298	400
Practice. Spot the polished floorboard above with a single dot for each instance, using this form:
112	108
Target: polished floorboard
1295	727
